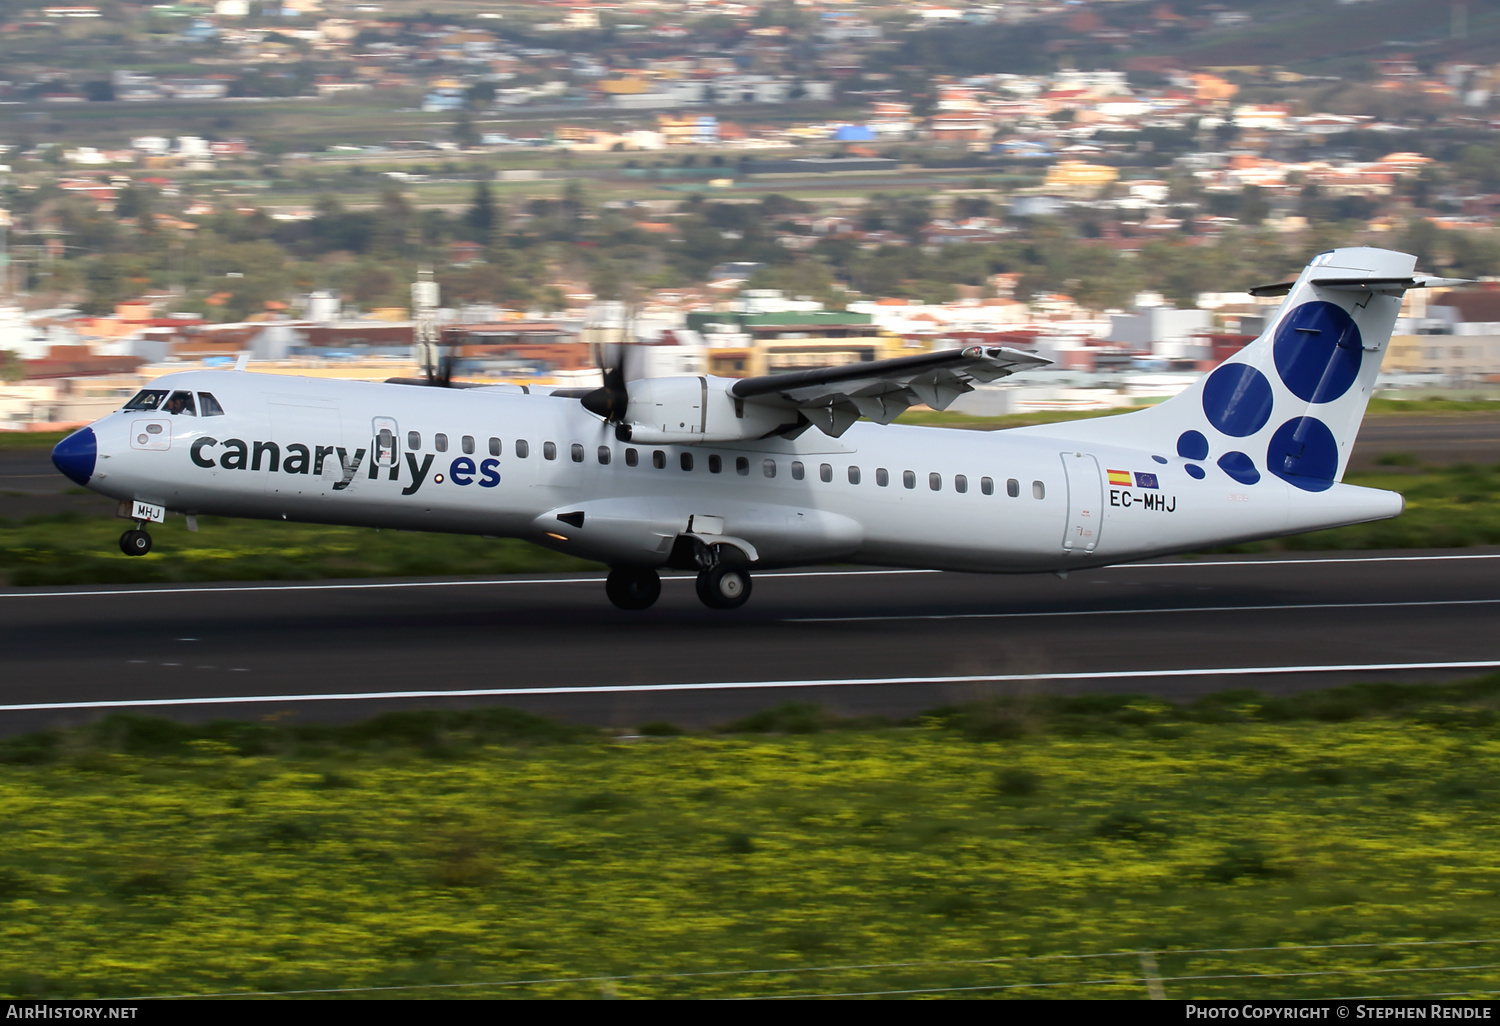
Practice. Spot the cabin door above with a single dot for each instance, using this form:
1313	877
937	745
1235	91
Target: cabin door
1085	503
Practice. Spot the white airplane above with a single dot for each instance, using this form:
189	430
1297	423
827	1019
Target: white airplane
726	476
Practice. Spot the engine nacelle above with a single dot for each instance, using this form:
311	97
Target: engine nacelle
685	410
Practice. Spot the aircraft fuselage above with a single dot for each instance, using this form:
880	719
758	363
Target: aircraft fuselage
543	468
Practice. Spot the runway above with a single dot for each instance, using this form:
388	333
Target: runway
855	641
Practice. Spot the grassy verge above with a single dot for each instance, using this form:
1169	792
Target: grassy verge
67	549
13	441
984	846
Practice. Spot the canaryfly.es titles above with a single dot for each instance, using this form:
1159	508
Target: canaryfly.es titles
295	458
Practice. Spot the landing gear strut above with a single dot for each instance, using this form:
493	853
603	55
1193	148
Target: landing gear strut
632	588
135	542
724	586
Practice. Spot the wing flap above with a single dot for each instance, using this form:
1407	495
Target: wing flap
833	398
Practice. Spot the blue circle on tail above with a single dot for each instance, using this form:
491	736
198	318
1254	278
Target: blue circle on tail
1240	467
1191	445
1237	399
1318	352
1303	452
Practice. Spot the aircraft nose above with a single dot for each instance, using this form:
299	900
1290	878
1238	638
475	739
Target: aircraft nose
75	455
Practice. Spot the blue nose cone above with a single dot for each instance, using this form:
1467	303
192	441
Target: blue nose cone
76	454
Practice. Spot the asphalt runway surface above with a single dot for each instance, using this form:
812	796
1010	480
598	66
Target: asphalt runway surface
857	642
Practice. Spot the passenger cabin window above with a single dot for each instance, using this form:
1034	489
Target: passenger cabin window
768	467
414	440
854	475
987	485
658	459
825	473
1012	488
797	470
686	460
385	448
468	445
208	406
182	403
909	478
935	482
742	466
882	476
148	400
575	451
715	464
494	447
549	450
632	458
960	483
604	455
440	442
1038	490
522	449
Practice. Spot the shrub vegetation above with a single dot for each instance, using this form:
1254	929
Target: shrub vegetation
456	853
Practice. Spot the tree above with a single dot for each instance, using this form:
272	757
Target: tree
464	132
11	367
481	213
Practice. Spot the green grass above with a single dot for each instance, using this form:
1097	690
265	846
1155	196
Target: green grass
66	549
14	441
990	845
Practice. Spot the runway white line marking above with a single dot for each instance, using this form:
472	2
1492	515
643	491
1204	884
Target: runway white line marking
756	685
386	585
382	585
1302	562
1132	612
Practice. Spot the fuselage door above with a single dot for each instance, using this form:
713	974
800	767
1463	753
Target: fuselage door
1085	503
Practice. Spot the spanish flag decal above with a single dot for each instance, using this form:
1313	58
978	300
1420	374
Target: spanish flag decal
1120	477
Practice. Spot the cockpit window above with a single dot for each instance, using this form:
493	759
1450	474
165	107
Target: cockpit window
182	402
149	399
209	405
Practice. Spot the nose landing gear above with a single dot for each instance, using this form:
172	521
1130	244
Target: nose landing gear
135	543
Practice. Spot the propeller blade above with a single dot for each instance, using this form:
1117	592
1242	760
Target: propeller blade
612	400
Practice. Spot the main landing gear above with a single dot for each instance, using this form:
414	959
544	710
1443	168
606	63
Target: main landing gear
135	542
632	588
721	586
724	586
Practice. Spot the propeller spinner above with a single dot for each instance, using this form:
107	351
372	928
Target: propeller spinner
612	400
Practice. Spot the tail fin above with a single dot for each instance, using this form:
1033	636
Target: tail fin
1290	403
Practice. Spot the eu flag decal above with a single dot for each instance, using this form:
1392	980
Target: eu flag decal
1145	480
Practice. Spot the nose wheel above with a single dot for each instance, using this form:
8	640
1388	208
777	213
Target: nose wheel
135	543
724	586
632	588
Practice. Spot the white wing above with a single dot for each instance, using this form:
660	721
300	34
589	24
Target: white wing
832	398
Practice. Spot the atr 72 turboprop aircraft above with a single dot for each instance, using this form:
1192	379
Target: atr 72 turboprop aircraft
726	476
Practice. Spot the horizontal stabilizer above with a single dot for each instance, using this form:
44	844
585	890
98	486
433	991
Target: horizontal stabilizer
1281	288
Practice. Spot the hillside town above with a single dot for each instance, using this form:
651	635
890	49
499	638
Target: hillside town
742	187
